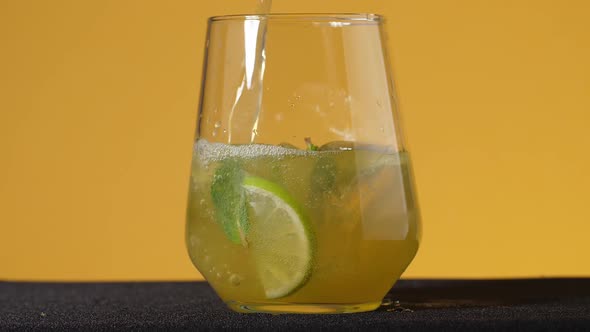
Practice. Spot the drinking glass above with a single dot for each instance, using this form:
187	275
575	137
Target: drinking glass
301	194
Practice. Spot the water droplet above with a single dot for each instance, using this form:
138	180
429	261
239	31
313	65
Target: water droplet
382	129
379	103
217	124
218	275
298	98
224	131
214	133
386	301
292	105
235	279
331	104
202	201
207	259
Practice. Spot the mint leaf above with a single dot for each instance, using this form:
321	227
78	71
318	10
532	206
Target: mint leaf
310	145
229	200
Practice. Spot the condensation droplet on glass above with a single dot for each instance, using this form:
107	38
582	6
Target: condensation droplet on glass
298	98
214	133
332	104
206	259
218	275
217	124
382	129
224	131
379	103
202	201
235	279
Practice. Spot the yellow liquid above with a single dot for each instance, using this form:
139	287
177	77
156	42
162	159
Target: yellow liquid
361	209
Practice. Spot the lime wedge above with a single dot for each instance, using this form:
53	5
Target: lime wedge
280	238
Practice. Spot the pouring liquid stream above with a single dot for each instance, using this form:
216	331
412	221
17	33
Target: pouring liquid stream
247	106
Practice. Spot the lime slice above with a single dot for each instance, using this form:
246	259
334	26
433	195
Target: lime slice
280	238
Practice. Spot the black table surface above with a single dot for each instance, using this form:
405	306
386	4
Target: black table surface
440	305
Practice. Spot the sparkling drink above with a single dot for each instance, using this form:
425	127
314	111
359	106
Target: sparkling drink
280	229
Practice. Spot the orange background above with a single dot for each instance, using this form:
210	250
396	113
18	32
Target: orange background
98	104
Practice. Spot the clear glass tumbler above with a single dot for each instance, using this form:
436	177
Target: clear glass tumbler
301	196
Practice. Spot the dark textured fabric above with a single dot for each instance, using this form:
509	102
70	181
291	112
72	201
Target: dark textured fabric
440	305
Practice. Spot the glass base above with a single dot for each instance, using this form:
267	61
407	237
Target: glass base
297	308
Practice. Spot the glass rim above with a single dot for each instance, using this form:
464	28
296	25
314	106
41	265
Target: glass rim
303	17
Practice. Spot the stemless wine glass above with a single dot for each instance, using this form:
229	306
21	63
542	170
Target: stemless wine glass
301	197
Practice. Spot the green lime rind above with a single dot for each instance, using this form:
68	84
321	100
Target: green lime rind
287	248
274	189
229	200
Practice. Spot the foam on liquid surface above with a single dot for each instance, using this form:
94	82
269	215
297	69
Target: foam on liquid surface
210	152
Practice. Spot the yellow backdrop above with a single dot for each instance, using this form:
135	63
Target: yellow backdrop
98	104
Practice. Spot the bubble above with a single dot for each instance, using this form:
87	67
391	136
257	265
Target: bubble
218	275
214	133
207	259
211	152
217	124
235	279
202	201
